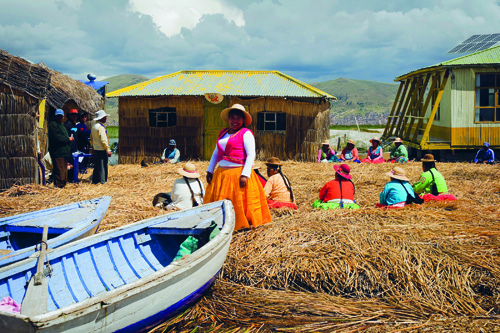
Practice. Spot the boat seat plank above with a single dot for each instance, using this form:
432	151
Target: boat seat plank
189	227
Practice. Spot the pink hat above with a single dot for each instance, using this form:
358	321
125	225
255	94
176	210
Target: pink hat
343	170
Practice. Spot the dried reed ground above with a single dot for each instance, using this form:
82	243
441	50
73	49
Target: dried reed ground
429	268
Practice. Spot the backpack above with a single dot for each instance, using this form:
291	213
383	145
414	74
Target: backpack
434	189
410	199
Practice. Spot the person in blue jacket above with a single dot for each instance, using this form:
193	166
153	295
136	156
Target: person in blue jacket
485	155
395	192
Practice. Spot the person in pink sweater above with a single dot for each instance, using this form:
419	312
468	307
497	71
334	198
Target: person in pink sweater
350	153
375	153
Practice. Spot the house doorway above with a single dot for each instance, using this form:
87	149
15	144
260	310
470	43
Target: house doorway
212	125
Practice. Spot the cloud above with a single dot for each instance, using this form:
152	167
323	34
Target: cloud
172	16
309	40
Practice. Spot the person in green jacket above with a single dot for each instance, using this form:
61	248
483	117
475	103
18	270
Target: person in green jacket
429	177
59	149
399	154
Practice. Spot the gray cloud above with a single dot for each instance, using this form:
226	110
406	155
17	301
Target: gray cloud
309	40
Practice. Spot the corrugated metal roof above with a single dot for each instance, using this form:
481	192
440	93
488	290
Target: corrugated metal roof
228	83
489	56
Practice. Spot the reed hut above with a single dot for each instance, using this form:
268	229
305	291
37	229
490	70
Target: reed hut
290	118
450	108
29	95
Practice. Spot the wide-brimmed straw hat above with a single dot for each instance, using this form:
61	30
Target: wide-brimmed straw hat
100	114
273	161
398	173
343	170
352	142
225	113
189	171
326	142
398	140
375	139
428	158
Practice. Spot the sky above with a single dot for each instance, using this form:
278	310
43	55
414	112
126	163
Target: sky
312	41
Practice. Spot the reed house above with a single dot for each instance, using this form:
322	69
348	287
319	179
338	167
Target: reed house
29	95
449	108
290	118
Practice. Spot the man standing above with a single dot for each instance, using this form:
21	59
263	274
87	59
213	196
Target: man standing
170	154
485	155
100	141
71	128
59	149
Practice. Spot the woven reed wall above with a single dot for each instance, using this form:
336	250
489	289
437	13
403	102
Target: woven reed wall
138	141
18	130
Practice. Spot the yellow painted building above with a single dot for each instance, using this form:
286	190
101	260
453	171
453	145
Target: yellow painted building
451	105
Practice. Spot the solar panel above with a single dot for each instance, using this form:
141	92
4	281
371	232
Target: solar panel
477	43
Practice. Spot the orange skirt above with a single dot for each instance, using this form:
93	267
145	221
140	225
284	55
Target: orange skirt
250	204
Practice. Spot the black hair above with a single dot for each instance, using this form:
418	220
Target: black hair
259	174
429	165
285	180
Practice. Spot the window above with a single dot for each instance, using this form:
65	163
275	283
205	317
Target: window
271	121
487	97
434	98
162	117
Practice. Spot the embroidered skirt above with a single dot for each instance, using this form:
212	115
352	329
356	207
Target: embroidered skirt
442	197
279	204
250	204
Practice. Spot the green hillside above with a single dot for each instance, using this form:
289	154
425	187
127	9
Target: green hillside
370	102
115	83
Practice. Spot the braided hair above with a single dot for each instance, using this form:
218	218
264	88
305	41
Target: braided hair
286	181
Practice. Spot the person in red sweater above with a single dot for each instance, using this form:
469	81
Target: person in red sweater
338	193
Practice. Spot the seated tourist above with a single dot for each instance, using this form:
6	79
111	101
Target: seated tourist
186	192
171	154
278	189
339	192
431	185
375	153
485	155
398	192
349	153
326	154
399	154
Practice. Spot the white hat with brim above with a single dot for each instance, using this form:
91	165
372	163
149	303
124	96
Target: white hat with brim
225	113
397	173
326	143
100	114
189	171
375	139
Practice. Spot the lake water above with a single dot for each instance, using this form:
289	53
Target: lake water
113	160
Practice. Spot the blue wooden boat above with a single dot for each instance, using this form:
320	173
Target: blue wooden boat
20	233
128	279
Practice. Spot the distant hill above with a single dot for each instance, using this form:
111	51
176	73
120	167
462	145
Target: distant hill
370	102
115	83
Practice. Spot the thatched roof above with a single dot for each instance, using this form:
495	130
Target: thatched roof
42	82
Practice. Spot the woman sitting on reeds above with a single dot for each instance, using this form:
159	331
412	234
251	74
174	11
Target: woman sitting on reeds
350	153
431	184
338	193
375	153
278	189
398	192
326	154
235	179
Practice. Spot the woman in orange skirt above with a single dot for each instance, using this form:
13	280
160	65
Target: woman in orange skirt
234	179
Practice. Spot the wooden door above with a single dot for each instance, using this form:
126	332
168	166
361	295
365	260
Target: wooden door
212	125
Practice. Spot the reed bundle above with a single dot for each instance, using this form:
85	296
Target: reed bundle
427	268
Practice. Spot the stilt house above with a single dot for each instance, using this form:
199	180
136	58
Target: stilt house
449	107
290	118
29	95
